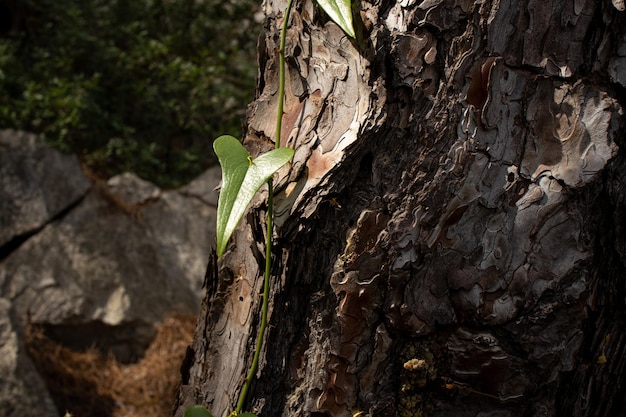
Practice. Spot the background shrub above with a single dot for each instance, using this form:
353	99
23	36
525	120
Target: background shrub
142	86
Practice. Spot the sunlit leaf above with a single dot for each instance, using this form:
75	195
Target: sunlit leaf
197	411
242	177
340	11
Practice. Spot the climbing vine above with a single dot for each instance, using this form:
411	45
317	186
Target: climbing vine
243	176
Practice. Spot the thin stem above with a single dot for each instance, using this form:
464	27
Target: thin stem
281	73
266	298
270	221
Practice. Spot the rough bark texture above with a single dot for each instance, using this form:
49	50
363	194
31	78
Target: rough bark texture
451	233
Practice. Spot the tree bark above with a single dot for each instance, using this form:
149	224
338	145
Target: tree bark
451	235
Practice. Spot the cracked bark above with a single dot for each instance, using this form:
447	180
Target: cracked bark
450	235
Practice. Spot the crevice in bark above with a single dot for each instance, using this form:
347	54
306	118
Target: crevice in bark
594	388
305	292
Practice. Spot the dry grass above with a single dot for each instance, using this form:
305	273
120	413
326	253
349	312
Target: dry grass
89	384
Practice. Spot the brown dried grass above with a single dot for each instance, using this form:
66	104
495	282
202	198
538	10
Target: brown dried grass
90	384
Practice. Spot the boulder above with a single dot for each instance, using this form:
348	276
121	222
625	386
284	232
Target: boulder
102	264
36	184
113	263
22	391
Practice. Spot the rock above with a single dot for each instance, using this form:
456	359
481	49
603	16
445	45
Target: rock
22	392
133	190
204	187
112	264
36	184
102	268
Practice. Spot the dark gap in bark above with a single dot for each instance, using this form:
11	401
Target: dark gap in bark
312	252
594	388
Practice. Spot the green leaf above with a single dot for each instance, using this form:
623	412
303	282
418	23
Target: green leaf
340	11
242	177
247	415
197	411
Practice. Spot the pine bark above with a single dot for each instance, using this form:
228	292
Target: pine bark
450	237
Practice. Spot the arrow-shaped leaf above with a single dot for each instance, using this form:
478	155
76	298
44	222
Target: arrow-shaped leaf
242	177
340	11
197	411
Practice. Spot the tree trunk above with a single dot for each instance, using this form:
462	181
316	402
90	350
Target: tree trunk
451	234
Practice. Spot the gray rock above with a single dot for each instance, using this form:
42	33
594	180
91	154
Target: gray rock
204	187
22	392
100	268
133	190
36	184
113	264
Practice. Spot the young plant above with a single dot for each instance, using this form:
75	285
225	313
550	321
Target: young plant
243	176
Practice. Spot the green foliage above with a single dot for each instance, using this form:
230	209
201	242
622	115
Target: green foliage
340	11
242	177
131	85
197	411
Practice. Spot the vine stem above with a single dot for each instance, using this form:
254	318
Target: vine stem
281	73
270	221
